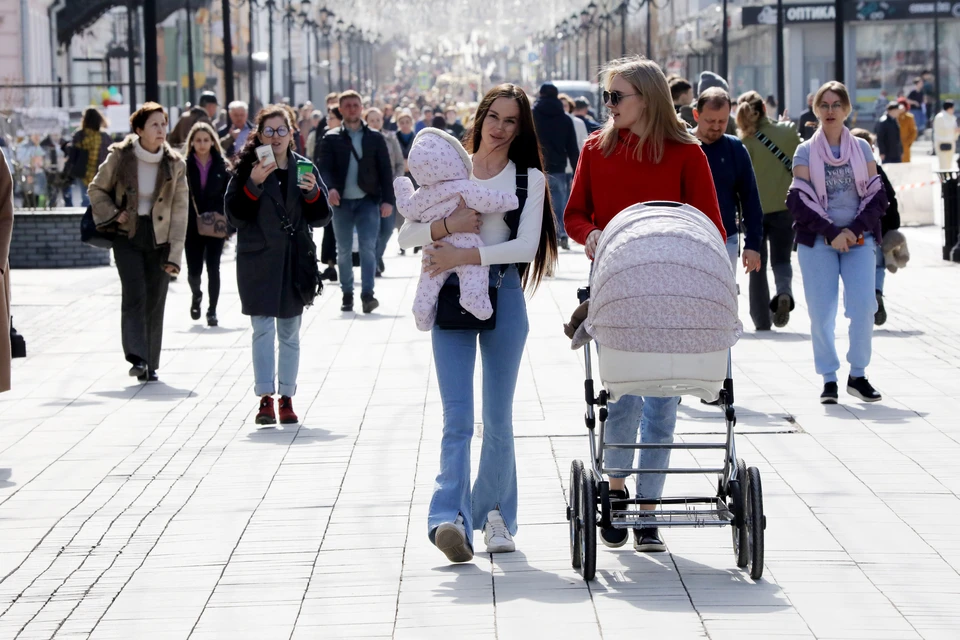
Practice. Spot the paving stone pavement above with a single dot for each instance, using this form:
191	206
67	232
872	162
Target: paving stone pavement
159	511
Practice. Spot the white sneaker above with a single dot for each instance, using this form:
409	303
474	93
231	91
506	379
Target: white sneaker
496	535
451	538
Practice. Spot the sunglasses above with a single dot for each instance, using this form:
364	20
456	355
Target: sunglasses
269	132
614	97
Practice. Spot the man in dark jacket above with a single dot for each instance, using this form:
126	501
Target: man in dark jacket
582	110
888	135
808	123
558	142
355	166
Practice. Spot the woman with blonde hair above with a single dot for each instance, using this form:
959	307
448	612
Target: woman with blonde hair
643	153
837	200
207	176
771	146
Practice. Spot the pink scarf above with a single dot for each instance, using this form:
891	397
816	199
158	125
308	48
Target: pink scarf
821	155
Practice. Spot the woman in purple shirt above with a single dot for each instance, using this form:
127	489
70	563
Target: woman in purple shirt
207	176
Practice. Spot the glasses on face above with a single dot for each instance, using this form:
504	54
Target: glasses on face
269	132
836	106
613	98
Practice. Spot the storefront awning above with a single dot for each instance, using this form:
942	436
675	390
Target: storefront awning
77	15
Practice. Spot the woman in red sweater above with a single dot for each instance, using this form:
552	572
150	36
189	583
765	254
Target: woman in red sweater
643	153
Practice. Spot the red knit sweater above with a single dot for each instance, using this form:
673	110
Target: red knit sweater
603	187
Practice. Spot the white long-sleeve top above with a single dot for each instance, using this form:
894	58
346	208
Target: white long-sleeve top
494	232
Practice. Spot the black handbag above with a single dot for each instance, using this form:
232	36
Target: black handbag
306	268
93	236
18	346
946	146
451	316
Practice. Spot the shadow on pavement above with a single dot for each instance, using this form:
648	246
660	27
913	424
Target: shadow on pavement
5	481
202	328
281	435
775	336
150	391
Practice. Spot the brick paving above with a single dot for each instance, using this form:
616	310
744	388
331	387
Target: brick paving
159	511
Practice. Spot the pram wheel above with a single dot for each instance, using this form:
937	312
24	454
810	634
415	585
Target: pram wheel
739	496
756	522
588	525
573	512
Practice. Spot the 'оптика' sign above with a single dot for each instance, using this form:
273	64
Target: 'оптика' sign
861	11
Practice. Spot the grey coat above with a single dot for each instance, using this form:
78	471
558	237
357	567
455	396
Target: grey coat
264	248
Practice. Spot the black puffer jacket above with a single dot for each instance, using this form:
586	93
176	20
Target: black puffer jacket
557	136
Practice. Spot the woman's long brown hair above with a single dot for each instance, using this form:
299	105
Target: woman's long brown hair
525	153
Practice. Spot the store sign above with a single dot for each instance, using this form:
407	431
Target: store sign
792	14
862	11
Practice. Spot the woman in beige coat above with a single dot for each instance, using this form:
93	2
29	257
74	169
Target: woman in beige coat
141	193
6	230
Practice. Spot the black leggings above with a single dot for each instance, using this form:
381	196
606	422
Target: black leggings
200	249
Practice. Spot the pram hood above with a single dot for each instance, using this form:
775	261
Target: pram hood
661	283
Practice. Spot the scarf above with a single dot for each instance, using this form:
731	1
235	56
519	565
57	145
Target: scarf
821	155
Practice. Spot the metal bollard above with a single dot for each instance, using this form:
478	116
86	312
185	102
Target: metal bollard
950	192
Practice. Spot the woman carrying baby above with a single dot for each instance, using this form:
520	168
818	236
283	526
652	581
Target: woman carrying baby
503	144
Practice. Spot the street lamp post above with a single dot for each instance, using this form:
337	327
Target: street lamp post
585	26
340	54
351	37
325	28
623	29
311	30
227	54
252	76
288	16
725	44
577	31
270	7
781	80
191	81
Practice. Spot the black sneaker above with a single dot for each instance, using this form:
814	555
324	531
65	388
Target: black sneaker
138	369
781	310
380	266
369	303
615	538
150	376
648	541
347	304
830	394
195	307
330	273
565	244
881	315
861	388
212	318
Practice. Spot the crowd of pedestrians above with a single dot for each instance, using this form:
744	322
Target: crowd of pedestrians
762	182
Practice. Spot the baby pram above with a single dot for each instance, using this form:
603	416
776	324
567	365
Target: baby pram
663	311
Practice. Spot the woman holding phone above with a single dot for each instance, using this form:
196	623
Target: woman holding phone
265	195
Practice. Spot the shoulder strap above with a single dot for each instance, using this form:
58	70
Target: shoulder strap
512	218
775	150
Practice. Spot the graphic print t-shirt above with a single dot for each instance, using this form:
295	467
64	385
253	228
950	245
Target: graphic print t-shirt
843	201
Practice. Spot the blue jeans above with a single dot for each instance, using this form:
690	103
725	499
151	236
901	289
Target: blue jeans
656	420
386	230
733	250
823	267
454	355
364	215
881	270
920	115
265	331
559	184
84	196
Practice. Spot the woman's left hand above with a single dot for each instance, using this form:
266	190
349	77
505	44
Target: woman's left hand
308	182
440	257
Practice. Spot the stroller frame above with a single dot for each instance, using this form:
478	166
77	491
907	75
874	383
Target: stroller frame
738	502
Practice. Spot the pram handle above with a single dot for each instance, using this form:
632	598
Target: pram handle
662	203
583	294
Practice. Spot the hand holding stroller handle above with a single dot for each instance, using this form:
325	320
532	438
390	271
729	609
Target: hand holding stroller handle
583	294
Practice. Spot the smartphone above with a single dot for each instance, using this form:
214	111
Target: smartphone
265	154
303	168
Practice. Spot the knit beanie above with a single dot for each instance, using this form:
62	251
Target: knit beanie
708	80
